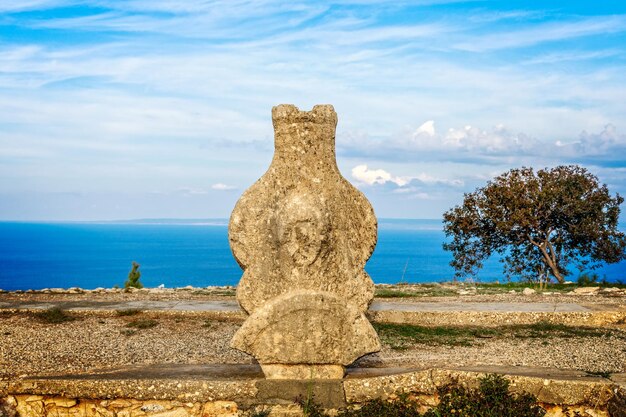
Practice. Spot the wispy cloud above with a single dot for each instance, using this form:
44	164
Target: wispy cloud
223	187
432	96
546	32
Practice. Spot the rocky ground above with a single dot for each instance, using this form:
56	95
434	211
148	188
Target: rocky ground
31	345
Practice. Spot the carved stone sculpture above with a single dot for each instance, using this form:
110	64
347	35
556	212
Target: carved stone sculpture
302	234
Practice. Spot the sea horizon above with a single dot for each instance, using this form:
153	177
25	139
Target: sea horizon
177	252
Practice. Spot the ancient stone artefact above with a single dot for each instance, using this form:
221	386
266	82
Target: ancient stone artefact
302	234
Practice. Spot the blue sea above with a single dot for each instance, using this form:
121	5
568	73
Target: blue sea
196	252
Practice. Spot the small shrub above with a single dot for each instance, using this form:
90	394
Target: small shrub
492	399
586	279
54	315
143	324
128	312
309	407
603	374
128	332
133	277
402	407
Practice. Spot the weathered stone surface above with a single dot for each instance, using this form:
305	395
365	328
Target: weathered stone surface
307	327
302	225
302	234
327	393
587	290
220	409
316	371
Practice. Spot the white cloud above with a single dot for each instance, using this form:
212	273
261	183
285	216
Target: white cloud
375	176
364	175
427	128
223	187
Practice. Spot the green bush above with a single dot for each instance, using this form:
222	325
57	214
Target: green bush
54	315
143	324
133	277
586	279
491	399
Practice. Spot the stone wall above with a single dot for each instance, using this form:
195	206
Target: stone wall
589	396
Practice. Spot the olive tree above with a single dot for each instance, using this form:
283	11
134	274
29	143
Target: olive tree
539	223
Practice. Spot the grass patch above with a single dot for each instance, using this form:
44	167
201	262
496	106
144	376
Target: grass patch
422	290
54	315
544	329
142	324
128	312
603	374
387	293
404	336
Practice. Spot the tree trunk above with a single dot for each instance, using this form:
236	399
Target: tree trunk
551	263
550	260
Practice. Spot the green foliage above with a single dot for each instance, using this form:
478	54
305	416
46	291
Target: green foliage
143	324
492	399
128	312
538	222
309	407
585	279
603	374
404	336
54	315
133	277
402	407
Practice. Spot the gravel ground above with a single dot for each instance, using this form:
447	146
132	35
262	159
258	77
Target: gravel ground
30	347
606	354
617	299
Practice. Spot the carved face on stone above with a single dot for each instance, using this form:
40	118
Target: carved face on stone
301	228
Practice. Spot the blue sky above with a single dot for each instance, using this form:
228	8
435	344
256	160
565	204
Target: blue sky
156	108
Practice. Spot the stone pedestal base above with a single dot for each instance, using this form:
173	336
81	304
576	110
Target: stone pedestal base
279	371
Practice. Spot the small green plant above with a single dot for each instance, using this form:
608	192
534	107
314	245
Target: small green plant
143	324
54	315
401	407
603	374
586	279
207	324
128	312
309	407
128	332
133	277
492	399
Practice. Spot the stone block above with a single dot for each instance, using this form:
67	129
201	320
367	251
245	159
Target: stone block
302	234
